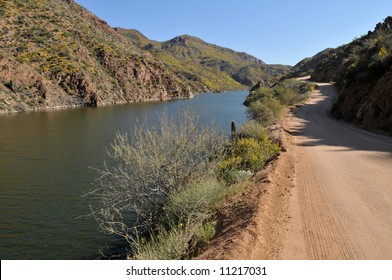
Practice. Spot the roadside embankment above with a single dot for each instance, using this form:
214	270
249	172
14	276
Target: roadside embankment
251	225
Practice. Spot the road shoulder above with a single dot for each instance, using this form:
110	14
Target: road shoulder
253	224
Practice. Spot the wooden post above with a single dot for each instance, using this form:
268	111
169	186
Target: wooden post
233	131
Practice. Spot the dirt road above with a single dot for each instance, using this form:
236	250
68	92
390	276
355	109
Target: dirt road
341	205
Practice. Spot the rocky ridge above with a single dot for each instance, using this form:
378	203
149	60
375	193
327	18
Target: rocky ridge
205	66
57	54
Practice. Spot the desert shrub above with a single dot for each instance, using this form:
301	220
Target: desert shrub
196	202
185	223
287	92
166	244
258	94
233	176
147	169
288	96
252	129
266	105
266	110
174	243
249	154
292	91
254	153
204	233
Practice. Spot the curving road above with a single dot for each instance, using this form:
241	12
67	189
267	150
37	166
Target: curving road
341	207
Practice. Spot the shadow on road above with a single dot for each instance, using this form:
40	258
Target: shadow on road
316	127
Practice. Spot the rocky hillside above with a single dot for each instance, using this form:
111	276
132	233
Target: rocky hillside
204	66
306	66
57	54
362	71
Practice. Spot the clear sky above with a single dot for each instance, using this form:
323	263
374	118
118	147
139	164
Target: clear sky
276	31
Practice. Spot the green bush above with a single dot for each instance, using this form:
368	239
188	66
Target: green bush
266	104
249	154
254	154
288	96
253	129
258	94
196	202
233	176
170	244
266	111
292	91
204	233
185	222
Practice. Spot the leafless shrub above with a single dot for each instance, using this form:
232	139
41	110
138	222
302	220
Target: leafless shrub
145	169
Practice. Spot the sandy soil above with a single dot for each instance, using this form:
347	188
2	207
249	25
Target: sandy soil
327	196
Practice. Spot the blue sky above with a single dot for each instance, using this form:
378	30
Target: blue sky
276	31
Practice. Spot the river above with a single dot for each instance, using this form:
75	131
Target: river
46	166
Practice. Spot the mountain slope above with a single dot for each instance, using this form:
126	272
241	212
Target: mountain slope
206	66
362	71
58	54
306	66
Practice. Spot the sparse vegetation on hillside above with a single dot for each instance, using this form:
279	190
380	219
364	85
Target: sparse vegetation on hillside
56	53
204	66
362	71
366	57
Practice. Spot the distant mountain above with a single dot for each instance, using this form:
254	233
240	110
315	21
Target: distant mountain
362	71
204	66
57	54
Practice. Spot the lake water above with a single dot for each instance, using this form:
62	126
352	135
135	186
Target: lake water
46	161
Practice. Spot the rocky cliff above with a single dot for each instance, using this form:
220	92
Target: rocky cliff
57	54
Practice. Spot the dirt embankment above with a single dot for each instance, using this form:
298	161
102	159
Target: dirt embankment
252	224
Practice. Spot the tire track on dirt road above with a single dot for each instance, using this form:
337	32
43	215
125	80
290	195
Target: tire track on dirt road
341	207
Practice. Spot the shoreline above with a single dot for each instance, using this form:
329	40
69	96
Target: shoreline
80	106
66	107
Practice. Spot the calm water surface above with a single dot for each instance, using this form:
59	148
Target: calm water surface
45	168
